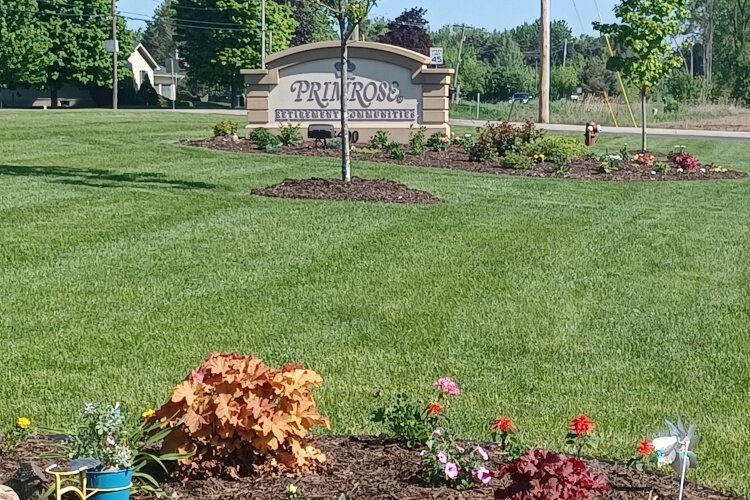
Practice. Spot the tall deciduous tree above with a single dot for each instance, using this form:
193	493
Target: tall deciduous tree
313	24
221	37
646	28
23	44
409	30
348	14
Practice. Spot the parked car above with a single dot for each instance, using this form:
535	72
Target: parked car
522	97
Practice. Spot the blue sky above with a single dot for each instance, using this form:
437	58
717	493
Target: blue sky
490	14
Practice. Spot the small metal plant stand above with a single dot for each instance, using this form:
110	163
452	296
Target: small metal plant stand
76	482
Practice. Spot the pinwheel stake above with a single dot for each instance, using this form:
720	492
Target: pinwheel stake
676	450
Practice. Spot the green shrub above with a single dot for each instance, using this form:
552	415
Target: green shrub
289	135
416	140
502	138
395	151
262	138
465	141
380	140
334	143
274	149
225	129
438	142
557	148
517	161
185	104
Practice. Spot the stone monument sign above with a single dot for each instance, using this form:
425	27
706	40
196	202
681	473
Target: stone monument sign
389	88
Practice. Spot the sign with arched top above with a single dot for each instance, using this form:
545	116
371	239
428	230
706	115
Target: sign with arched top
389	88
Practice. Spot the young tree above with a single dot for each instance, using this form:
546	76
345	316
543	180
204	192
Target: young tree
348	14
409	30
646	30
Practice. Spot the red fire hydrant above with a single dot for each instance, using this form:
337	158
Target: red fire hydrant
592	131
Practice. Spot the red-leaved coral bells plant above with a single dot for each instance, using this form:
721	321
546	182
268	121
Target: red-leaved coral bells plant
580	434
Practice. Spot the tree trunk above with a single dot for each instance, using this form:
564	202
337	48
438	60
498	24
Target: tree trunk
53	97
232	96
643	120
346	167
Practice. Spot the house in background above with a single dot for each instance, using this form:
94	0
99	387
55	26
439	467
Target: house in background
163	78
140	62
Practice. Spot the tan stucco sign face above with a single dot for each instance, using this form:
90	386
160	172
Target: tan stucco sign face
377	91
388	88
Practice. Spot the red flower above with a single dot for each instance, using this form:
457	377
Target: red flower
581	425
645	448
434	408
504	424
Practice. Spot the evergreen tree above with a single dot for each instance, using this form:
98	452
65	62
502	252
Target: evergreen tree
159	35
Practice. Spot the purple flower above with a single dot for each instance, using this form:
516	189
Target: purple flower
442	458
451	470
482	475
482	453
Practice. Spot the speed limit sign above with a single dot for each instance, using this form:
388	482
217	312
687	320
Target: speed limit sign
436	56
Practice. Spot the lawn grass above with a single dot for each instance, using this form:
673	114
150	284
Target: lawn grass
126	259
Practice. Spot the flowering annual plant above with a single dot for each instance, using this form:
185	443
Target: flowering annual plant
447	463
412	423
580	434
645	455
645	159
13	437
438	142
504	432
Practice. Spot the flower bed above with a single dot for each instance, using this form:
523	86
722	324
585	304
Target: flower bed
505	150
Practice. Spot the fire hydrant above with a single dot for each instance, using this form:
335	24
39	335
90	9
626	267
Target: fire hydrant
592	131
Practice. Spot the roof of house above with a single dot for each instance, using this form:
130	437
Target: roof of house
140	49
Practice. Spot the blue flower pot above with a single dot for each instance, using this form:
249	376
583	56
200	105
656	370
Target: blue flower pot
118	482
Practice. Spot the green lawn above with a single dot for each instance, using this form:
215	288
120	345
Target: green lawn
125	259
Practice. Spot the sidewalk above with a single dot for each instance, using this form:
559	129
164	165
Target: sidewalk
656	132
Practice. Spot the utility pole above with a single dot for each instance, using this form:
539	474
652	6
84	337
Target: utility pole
175	68
544	75
565	53
115	80
458	62
263	34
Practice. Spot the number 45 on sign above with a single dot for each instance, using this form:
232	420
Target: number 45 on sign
436	56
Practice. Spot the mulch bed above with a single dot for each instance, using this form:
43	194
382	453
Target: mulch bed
455	158
381	190
367	468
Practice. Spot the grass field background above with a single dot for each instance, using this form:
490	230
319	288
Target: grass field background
125	259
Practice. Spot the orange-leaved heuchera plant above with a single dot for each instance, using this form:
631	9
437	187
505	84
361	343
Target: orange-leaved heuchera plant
238	416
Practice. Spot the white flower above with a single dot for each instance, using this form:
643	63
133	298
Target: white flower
653	172
703	170
679	170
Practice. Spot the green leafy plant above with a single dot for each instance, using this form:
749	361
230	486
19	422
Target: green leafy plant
225	129
292	493
611	163
556	147
262	138
580	434
465	141
417	140
334	143
406	421
237	414
449	463
380	139
661	167
290	135
625	154
395	151
483	149
21	431
274	149
496	140
438	142
517	161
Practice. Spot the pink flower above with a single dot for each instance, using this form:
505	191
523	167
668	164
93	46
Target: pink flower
442	458
447	385
482	475
451	470
482	453
199	376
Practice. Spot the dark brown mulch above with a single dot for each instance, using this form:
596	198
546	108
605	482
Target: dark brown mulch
456	158
369	469
372	190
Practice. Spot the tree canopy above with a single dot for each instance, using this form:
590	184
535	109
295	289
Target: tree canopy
409	30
